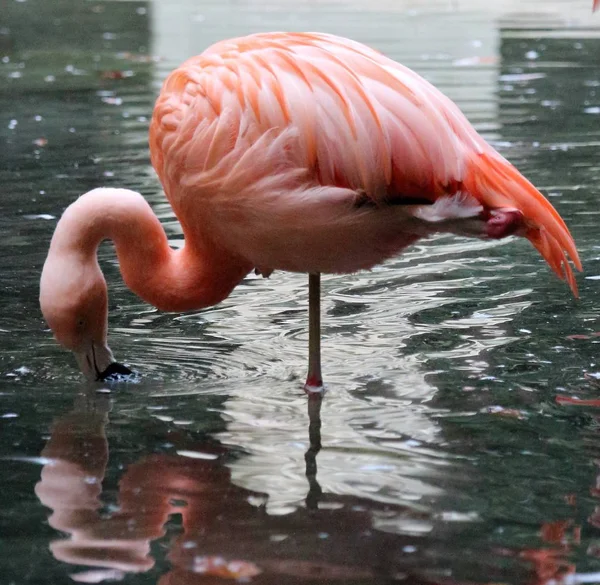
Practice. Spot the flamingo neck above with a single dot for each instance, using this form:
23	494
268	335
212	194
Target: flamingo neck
193	277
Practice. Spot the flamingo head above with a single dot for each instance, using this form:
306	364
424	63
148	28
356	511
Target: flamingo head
74	302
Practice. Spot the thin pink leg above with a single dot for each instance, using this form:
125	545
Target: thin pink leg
314	380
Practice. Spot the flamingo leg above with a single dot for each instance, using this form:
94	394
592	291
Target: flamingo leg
314	380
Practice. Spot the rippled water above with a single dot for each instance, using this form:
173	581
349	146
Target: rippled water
451	446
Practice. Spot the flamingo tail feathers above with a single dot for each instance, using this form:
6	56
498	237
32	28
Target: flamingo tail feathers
497	184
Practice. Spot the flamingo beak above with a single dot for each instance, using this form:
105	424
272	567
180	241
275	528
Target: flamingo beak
114	371
97	363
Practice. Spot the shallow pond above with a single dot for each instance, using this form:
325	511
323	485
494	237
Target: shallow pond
459	438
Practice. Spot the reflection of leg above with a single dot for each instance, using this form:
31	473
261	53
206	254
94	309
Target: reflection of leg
310	457
314	380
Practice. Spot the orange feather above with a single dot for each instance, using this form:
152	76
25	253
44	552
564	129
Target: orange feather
497	184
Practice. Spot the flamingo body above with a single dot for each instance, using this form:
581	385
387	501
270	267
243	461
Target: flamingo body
305	152
293	151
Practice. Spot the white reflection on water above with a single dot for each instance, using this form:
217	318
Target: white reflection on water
373	447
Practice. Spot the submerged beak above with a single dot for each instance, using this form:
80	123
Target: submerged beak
98	364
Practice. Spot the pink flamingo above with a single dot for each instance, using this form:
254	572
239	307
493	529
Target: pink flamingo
287	151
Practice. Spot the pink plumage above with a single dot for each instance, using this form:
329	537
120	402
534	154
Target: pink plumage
275	138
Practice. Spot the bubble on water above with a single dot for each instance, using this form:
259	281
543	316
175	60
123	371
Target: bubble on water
46	216
522	76
73	70
163	418
455	516
36	460
278	537
98	576
257	501
192	454
412	443
113	101
550	103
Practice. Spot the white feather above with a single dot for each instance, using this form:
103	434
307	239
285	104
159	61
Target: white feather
459	206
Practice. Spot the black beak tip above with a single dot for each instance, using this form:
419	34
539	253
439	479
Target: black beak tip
114	372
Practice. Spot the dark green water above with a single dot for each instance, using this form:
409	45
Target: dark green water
448	452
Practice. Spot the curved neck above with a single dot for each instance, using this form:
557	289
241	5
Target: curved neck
195	276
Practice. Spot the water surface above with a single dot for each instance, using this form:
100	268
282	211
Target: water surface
451	446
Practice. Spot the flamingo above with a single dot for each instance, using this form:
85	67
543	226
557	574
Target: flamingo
304	152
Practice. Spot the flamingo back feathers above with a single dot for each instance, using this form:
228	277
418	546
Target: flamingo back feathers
362	121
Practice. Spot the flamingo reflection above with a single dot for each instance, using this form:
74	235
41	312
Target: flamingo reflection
215	529
225	531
